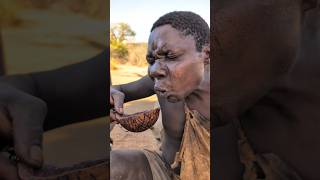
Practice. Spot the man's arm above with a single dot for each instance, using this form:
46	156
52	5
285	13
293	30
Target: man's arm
73	93
137	89
131	91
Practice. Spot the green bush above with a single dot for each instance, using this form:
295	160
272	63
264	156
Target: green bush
119	51
119	34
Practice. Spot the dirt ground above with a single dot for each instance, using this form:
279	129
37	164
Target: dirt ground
121	137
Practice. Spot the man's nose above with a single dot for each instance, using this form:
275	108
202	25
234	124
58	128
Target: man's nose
157	70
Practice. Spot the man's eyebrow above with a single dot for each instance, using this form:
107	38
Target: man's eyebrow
155	52
162	49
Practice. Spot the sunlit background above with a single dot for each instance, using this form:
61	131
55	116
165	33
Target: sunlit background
141	14
131	22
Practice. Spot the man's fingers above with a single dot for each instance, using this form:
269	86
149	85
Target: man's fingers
8	170
118	99
112	116
28	117
24	171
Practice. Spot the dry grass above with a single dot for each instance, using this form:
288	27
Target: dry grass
136	56
96	9
113	64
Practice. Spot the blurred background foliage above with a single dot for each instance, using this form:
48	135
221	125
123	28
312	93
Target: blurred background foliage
120	33
8	13
122	48
9	8
94	8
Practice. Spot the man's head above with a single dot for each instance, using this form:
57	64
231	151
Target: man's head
255	45
178	54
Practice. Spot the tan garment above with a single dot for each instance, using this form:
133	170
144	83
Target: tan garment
193	156
194	153
160	170
263	166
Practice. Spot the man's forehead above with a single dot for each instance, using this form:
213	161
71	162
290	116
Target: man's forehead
167	36
164	31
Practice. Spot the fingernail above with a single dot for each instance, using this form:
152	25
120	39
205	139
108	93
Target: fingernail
36	155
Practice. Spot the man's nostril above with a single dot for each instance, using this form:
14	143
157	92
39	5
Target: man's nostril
157	75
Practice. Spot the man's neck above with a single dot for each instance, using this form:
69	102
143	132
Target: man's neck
199	99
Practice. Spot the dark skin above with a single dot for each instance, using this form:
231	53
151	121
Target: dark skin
36	102
266	76
171	57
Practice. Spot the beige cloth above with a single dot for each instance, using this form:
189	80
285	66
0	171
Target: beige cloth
194	153
193	156
160	170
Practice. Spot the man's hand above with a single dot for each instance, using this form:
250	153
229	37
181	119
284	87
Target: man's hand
119	94
21	126
116	99
8	170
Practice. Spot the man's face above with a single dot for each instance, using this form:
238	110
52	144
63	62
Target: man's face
174	63
256	43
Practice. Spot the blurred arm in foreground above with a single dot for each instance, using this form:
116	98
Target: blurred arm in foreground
31	103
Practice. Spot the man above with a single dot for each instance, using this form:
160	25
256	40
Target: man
179	73
31	103
266	80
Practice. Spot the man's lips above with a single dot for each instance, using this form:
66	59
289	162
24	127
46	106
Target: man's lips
160	91
165	93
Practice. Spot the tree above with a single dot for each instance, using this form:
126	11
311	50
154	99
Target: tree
120	33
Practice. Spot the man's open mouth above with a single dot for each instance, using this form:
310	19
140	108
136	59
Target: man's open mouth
166	94
172	98
160	91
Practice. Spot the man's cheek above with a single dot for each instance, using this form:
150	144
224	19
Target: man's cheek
178	72
149	72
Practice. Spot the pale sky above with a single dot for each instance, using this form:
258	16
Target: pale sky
141	14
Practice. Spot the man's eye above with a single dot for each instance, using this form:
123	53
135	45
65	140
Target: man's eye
171	56
150	60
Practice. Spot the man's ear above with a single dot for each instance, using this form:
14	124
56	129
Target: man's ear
206	53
